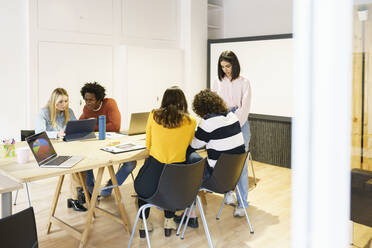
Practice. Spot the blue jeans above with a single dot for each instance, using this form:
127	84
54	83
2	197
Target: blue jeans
243	180
121	175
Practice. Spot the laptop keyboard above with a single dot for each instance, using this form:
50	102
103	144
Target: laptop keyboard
58	160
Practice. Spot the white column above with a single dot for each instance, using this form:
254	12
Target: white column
13	67
194	42
321	126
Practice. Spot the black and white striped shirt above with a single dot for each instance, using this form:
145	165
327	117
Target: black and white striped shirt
219	133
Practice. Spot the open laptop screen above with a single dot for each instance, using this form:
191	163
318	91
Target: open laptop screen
80	129
41	147
137	124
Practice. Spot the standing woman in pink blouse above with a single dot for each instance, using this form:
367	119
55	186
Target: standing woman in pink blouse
235	90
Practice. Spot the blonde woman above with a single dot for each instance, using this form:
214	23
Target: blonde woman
53	119
55	115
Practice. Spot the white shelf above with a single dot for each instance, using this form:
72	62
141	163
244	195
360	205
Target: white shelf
215	19
214	27
212	6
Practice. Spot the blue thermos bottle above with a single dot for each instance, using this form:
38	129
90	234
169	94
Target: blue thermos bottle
102	127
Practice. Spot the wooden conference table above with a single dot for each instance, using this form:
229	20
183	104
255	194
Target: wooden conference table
7	185
94	158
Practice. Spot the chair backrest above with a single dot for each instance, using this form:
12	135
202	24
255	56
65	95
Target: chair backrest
226	173
19	230
26	133
178	185
361	197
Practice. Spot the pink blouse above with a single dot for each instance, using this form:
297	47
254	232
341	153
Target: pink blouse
236	93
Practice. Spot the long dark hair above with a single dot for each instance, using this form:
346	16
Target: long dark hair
230	57
173	108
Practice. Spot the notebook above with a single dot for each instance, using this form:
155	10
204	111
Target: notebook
137	124
123	147
46	156
80	129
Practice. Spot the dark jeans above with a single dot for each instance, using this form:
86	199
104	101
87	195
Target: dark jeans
147	181
121	175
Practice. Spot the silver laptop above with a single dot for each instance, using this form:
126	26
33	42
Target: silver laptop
137	124
45	154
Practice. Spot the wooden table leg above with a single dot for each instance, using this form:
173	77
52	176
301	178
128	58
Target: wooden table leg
55	201
92	205
83	183
123	213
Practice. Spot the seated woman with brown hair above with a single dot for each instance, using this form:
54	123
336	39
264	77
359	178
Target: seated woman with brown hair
169	132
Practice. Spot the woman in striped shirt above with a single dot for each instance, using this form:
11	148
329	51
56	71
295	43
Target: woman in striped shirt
219	131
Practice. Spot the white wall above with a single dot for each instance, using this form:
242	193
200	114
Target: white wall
256	17
194	42
13	67
142	43
146	73
65	39
71	43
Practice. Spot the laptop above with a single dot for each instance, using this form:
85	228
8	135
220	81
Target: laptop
137	124
45	154
80	129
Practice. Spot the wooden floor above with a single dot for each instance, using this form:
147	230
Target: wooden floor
269	211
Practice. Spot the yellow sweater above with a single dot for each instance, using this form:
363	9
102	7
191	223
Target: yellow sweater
168	145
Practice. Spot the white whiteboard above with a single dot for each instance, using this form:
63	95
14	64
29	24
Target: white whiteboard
268	65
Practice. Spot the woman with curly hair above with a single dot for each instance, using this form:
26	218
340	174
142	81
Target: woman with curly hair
169	132
219	131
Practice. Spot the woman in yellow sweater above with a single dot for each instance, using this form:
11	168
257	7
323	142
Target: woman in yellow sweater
169	132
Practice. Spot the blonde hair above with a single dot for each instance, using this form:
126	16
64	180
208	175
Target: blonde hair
52	106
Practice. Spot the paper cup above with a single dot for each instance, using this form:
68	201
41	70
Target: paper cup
23	154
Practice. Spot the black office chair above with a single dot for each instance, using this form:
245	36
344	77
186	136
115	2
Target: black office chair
361	197
177	189
224	178
19	230
24	135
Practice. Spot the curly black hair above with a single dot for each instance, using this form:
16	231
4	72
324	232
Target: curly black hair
95	88
208	102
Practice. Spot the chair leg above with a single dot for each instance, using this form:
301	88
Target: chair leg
205	225
15	198
145	224
28	195
250	160
221	207
245	211
180	225
140	211
134	228
187	220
